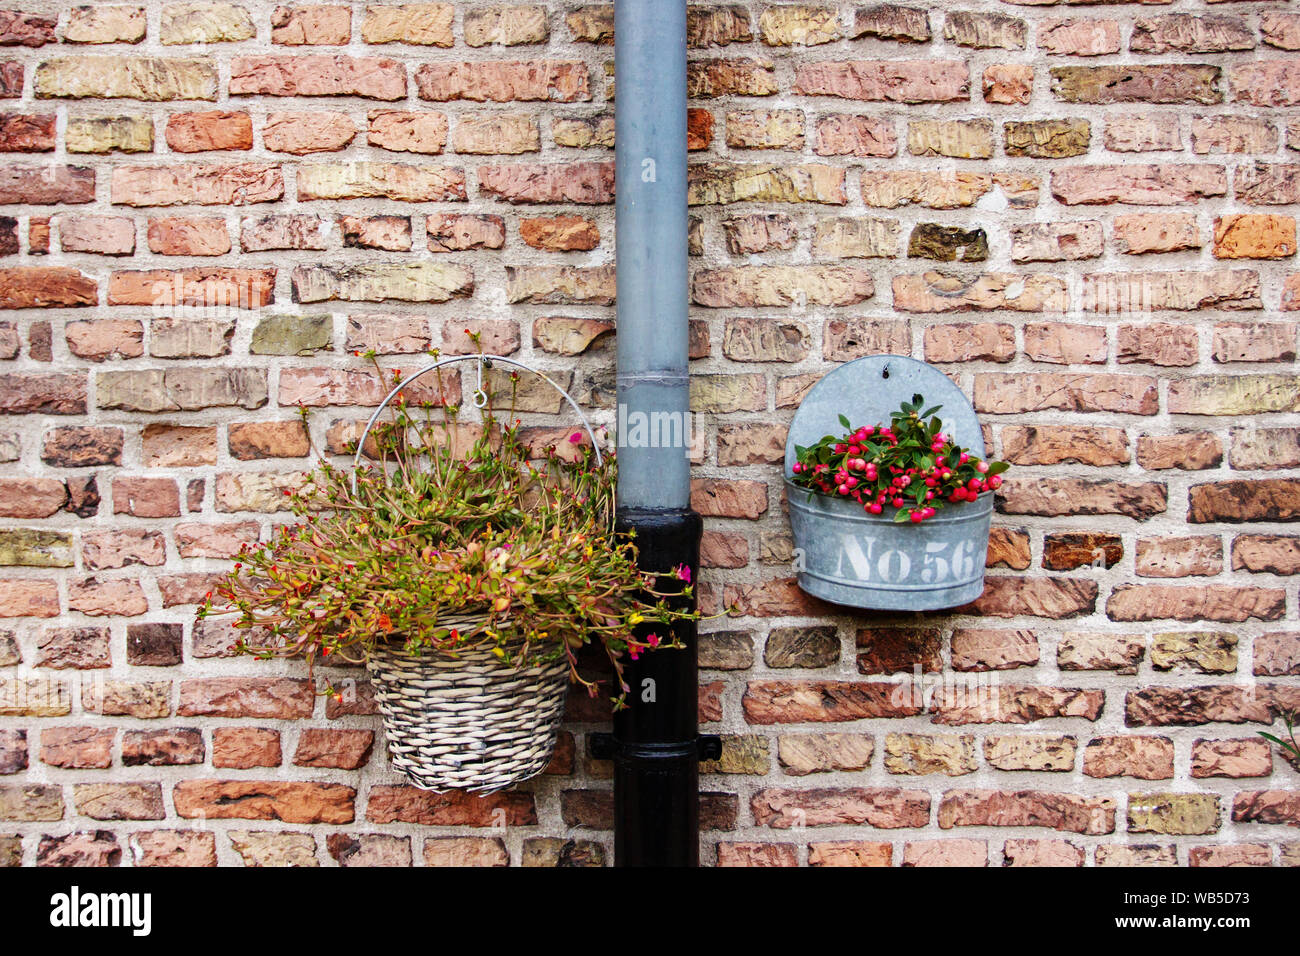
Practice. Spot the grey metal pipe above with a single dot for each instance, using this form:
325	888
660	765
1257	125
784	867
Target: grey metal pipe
655	745
650	164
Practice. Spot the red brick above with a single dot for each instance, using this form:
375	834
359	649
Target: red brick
898	81
216	130
287	801
317	75
258	697
1177	557
1218	602
773	702
504	81
1189	451
188	236
1027	808
1147	758
883	808
402	804
339	749
1008	393
146	497
962	853
240	748
78	748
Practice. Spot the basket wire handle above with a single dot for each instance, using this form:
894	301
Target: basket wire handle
480	399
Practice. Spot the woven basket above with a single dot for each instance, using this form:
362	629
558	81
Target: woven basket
469	722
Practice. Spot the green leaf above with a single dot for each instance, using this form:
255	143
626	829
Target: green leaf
930	411
900	516
845	422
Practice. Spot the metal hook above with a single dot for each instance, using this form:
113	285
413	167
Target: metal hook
480	396
885	371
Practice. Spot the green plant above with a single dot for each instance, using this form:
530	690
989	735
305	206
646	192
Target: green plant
1290	748
910	465
456	522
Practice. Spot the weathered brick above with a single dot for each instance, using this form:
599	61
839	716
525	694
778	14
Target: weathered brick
1235	394
1267	184
1144	292
1035	752
1009	83
1038	597
105	24
301	133
706	79
1242	757
1222	602
1078	37
424	24
315	25
722	183
856	238
1166	83
1156	232
984	342
1232	134
506	25
773	702
106	134
841	134
1174	813
130	77
940	292
1266	83
1254	236
887	21
1255	342
1141	134
496	133
1027	808
959	139
376	78
884	808
1178	557
288	801
1265	449
751	286
1147	758
502	81
900	81
79	748
257	697
1189	451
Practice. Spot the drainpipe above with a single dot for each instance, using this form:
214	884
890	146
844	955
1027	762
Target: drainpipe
655	744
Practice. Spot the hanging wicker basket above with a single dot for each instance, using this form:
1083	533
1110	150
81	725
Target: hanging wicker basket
469	722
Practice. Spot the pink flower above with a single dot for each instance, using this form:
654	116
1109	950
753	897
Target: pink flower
653	640
575	438
683	573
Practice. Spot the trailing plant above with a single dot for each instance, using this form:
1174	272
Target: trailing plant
910	465
456	535
1290	747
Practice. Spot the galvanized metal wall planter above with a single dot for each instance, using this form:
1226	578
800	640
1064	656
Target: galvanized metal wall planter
850	557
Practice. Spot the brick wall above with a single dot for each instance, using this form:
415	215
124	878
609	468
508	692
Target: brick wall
1083	213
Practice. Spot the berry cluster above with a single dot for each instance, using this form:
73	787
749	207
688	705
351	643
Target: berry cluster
910	465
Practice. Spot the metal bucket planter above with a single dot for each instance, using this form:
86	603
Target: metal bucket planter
850	557
467	721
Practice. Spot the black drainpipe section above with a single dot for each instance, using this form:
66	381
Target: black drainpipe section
655	746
